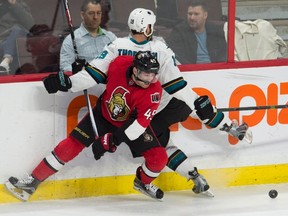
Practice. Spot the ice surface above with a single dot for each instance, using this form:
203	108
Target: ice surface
232	201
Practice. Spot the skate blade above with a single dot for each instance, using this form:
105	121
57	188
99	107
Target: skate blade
207	193
146	194
248	138
16	192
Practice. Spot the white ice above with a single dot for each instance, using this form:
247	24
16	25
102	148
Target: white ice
232	201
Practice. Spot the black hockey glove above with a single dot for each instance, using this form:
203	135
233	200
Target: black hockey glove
78	65
55	82
103	144
204	109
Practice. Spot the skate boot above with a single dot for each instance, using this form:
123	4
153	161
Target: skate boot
241	132
200	183
148	189
22	188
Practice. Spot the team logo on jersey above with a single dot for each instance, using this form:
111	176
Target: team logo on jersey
117	106
147	137
155	98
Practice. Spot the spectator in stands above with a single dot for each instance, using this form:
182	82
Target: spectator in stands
90	37
106	8
15	21
196	40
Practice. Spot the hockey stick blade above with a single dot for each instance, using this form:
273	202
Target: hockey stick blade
231	109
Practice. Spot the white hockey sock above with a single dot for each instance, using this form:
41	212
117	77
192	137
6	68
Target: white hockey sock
184	168
178	161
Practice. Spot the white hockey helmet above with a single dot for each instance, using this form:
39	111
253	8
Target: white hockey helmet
140	18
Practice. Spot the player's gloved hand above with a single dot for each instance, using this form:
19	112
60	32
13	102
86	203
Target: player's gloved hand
103	144
78	65
55	82
204	108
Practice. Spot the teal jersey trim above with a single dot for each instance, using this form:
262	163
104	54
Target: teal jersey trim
174	85
96	74
216	120
176	159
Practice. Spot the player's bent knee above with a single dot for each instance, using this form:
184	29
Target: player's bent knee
68	149
156	158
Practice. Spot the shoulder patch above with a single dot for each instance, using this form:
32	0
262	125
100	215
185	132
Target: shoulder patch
155	98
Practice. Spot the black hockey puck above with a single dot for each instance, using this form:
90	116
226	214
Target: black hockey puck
273	193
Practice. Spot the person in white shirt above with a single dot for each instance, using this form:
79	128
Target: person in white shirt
90	37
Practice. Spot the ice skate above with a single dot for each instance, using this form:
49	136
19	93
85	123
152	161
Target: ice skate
241	132
148	189
200	184
22	188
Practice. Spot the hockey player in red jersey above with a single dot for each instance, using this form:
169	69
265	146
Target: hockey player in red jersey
122	114
178	100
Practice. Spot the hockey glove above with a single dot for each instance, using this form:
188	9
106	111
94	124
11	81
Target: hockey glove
78	65
55	82
204	108
103	144
207	112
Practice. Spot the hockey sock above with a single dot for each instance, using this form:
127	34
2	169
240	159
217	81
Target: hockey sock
175	157
155	161
65	151
144	177
179	162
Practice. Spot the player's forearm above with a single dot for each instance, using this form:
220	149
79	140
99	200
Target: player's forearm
82	80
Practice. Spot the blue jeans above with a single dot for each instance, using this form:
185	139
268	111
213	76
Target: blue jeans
8	46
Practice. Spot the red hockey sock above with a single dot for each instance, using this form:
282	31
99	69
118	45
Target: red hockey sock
65	151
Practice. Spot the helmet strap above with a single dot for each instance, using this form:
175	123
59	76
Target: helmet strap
149	36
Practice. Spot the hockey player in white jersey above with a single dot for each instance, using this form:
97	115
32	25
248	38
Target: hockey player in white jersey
177	93
178	100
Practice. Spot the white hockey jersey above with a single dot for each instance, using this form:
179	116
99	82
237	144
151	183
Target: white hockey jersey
170	76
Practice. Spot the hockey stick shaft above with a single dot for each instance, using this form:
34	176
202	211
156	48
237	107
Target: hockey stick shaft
70	25
90	110
231	109
86	95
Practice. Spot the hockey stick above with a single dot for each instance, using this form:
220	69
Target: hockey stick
88	103
55	15
231	109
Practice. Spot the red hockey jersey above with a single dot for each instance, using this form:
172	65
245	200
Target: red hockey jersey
122	97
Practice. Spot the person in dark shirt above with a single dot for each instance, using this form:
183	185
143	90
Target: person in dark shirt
197	40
